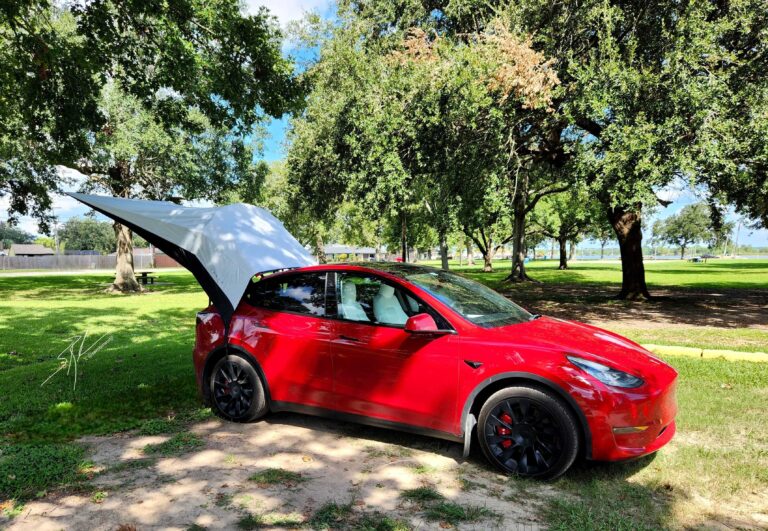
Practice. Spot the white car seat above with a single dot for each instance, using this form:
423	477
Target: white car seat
349	308
386	307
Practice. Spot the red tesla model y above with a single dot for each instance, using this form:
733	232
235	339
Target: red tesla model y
427	351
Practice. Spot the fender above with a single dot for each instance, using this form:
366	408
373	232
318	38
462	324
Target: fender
467	417
235	349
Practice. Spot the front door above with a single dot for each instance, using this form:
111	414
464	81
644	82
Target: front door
379	369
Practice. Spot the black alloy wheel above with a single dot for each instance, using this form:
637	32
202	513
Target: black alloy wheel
237	393
528	432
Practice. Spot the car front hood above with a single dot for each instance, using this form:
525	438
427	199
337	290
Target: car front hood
581	339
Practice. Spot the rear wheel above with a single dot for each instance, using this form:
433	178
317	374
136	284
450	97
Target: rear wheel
529	432
237	393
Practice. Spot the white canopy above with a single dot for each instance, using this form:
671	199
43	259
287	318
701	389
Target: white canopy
222	246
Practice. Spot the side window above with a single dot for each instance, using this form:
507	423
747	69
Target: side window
365	298
299	294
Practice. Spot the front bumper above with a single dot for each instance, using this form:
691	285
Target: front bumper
653	414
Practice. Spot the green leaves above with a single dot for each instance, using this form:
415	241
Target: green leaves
187	71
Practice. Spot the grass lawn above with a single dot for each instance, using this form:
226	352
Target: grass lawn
716	467
715	274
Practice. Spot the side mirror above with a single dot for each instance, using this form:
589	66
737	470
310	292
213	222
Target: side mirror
423	323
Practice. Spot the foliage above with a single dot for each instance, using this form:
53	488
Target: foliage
79	234
412	127
642	90
10	235
168	57
691	225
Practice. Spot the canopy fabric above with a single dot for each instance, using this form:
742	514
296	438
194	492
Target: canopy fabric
223	247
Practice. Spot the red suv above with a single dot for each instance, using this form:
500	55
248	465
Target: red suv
431	352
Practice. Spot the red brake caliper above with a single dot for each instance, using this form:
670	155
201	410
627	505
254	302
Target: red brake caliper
501	430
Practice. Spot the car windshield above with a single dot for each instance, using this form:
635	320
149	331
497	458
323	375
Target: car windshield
473	301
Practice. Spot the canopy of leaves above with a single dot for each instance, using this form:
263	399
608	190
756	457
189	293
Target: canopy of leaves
10	235
415	126
169	57
691	225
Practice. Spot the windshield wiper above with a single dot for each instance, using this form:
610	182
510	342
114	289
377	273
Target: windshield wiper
534	316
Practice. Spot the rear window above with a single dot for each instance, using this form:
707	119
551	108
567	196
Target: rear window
304	293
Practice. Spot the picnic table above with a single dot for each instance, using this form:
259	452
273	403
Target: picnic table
145	276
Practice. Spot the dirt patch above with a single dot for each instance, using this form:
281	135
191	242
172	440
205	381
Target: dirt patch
728	308
364	468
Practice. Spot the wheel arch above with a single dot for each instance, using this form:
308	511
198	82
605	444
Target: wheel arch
219	352
487	387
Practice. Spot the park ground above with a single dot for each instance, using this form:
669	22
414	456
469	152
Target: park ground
128	443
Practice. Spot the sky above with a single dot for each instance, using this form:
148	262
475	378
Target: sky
288	11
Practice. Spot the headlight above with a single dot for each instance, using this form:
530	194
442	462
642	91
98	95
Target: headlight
607	375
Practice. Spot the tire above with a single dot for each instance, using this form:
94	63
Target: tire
236	390
528	432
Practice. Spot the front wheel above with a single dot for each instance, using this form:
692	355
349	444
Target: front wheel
237	393
528	432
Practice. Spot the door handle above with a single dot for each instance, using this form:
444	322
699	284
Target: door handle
347	338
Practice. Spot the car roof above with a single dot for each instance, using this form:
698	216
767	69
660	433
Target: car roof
397	269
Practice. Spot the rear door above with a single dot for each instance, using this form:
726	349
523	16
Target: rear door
290	332
382	371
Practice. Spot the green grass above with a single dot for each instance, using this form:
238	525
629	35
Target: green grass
421	495
331	516
28	470
453	513
715	274
718	454
179	444
277	476
144	380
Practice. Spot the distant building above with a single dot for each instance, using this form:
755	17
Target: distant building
30	249
336	252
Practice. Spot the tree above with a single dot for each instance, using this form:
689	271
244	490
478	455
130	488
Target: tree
88	234
134	155
415	127
179	62
10	235
642	90
600	230
564	217
691	225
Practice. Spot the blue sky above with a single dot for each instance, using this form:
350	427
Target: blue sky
286	12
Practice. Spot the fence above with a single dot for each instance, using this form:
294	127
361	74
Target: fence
72	262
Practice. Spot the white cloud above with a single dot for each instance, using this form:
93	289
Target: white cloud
287	10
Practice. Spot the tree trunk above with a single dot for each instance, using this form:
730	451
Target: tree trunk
470	258
563	252
125	279
602	250
682	252
520	209
488	259
444	251
627	225
320	249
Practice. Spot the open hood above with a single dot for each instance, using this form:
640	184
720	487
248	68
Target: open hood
223	247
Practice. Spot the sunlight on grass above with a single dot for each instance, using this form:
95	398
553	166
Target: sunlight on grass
144	379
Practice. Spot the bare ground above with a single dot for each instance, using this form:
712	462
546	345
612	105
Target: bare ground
339	462
721	308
